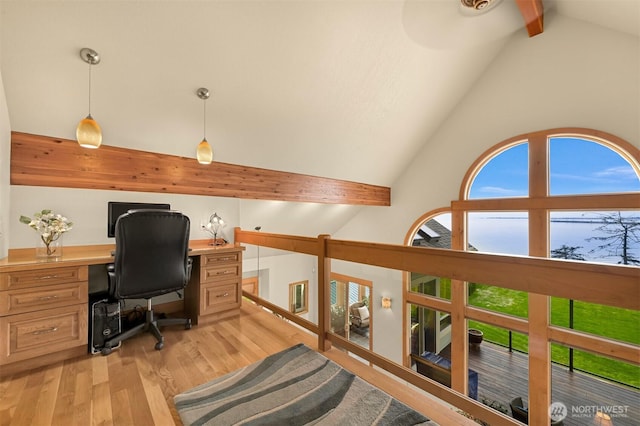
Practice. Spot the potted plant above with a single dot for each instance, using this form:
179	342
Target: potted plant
475	336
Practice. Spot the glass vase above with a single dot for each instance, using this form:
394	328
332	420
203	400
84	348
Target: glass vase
53	250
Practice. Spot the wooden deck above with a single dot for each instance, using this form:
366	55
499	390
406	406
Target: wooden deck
503	375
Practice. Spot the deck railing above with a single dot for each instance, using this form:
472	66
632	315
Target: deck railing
539	277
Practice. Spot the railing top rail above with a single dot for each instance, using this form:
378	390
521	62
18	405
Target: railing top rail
613	285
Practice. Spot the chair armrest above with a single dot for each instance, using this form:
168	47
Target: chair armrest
111	276
189	267
111	271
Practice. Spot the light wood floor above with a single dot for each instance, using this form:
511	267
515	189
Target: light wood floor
135	385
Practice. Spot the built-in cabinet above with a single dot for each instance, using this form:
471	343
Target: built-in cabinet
42	312
44	304
215	290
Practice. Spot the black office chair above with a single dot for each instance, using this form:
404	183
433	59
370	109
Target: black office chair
151	259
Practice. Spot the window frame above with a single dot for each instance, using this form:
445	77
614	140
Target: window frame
538	204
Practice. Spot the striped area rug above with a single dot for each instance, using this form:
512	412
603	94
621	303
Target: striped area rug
297	386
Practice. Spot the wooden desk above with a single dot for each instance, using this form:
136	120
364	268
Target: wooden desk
44	303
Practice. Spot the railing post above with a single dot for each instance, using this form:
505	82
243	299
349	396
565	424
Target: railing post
571	327
539	308
324	293
459	329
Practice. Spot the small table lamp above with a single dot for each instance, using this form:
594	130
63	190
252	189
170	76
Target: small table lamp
213	227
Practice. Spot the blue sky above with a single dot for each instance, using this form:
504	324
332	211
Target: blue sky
577	166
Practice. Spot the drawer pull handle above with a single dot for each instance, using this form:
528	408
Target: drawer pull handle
225	258
45	331
222	295
224	272
46	277
48	297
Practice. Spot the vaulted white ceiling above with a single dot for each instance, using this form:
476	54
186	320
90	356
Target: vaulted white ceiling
343	89
619	15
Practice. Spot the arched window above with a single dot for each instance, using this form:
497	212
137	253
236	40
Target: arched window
581	185
580	165
567	193
505	174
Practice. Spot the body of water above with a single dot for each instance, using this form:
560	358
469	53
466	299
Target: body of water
507	233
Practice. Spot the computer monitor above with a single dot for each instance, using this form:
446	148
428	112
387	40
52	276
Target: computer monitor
116	208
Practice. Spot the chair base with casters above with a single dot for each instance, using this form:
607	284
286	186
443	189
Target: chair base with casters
151	324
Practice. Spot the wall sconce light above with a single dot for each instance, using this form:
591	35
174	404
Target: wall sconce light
204	153
213	227
88	132
386	302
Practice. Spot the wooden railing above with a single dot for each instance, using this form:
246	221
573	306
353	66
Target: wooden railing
537	276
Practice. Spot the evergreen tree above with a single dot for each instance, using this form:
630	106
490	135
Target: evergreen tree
620	235
567	252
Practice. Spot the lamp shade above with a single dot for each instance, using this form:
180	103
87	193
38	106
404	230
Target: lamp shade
204	153
88	133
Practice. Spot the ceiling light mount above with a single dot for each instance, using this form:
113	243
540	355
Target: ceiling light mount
203	93
90	56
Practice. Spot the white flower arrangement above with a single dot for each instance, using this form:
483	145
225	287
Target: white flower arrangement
49	225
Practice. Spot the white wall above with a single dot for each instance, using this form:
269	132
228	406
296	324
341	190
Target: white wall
87	209
572	75
278	271
386	336
5	137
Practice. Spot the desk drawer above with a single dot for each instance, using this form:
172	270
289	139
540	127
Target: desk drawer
219	258
43	332
36	299
38	277
220	272
219	297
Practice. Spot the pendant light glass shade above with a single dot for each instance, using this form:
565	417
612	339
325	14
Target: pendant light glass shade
88	133
204	152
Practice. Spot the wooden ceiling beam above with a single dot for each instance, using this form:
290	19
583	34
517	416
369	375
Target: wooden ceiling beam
533	14
54	162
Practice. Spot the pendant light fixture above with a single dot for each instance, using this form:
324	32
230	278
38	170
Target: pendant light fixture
204	152
88	132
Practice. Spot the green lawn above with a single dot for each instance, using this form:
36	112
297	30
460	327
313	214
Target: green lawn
616	323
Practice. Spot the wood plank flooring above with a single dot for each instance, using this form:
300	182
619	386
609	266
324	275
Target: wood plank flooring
135	385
